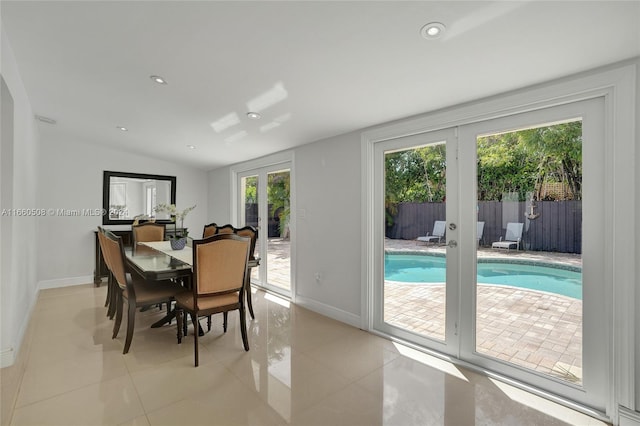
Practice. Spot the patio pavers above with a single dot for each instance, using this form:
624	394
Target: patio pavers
538	330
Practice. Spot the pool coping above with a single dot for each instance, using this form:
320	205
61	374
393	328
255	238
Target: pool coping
508	260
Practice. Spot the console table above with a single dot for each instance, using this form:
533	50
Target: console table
101	270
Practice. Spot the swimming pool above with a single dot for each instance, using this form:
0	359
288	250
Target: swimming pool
417	268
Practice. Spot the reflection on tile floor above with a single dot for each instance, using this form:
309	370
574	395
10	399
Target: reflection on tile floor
302	369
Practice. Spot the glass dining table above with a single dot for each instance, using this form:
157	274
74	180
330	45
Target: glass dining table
155	265
157	261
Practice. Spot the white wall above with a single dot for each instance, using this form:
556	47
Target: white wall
637	286
18	288
71	178
327	185
219	186
328	189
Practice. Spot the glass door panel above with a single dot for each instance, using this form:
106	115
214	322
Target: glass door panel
414	284
529	262
279	243
248	212
533	296
418	283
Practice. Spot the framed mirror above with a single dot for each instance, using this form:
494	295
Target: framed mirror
127	196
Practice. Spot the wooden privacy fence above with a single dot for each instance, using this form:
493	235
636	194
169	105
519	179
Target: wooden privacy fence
273	220
558	227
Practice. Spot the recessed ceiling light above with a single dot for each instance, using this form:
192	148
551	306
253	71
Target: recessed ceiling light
45	119
254	115
432	30
158	79
191	146
124	129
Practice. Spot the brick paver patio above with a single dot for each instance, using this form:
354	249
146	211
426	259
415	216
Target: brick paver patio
538	330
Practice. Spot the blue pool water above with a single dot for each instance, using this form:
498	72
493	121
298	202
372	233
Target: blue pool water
415	268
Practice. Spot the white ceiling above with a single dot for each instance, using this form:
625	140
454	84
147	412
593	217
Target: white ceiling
312	69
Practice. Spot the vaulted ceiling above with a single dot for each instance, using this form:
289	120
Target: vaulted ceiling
312	70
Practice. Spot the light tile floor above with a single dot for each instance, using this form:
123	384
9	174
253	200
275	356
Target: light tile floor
302	369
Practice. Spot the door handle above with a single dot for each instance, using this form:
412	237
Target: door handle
452	244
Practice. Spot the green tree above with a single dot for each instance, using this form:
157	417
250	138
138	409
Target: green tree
514	162
278	194
504	166
251	190
434	163
558	151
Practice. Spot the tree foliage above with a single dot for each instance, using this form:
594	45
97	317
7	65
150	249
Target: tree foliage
519	162
251	189
278	195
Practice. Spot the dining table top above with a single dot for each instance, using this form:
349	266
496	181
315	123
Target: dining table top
155	264
184	255
157	260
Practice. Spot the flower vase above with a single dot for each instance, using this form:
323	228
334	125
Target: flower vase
178	243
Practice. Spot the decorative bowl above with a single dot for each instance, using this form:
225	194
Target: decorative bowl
178	243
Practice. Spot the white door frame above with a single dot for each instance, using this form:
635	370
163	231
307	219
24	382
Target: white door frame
596	289
286	159
450	343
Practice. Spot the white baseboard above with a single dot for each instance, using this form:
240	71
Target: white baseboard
65	282
7	357
329	311
626	417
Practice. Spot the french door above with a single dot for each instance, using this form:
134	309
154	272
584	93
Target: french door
533	307
427	316
264	201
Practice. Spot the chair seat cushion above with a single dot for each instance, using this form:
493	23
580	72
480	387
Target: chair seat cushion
154	292
428	238
504	244
206	303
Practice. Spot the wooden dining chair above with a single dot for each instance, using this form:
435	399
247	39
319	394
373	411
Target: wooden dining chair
225	229
133	289
218	284
112	287
252	233
146	232
247	231
209	230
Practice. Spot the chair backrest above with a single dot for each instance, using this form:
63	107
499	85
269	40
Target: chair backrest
252	233
209	230
225	229
104	248
148	231
220	265
114	250
439	227
514	231
246	231
480	230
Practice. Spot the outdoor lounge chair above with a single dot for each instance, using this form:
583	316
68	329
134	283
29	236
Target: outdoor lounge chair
480	231
438	232
512	238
